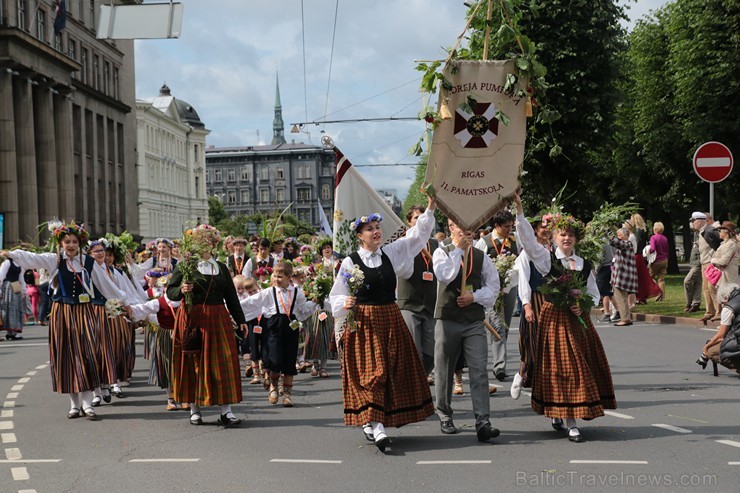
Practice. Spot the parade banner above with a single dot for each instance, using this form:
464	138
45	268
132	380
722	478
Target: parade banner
354	198
476	159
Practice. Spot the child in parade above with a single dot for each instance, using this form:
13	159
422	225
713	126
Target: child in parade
263	259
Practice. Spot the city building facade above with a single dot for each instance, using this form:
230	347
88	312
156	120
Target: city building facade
390	197
171	161
67	129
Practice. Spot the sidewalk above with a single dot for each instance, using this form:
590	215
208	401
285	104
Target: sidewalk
662	319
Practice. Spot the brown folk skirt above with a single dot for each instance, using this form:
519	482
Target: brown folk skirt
73	347
528	341
211	376
383	379
572	377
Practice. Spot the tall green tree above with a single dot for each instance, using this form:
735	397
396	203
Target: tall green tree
216	210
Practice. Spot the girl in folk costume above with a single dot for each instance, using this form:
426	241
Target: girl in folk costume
205	359
12	293
284	307
162	261
572	378
529	281
320	326
383	379
75	368
246	288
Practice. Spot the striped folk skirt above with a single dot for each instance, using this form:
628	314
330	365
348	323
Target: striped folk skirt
211	376
73	357
572	377
528	341
104	346
158	345
318	336
383	379
11	309
121	334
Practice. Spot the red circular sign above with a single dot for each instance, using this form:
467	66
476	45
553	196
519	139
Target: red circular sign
713	162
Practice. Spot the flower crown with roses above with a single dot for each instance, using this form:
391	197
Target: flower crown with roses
375	216
60	230
564	222
165	241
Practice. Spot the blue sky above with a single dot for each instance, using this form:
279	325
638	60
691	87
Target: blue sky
225	63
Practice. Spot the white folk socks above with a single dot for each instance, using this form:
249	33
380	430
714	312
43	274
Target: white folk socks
226	410
86	397
378	430
74	401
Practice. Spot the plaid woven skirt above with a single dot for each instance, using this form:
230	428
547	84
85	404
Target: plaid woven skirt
383	379
73	346
211	376
528	341
572	377
11	309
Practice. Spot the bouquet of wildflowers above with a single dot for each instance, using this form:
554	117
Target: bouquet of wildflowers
188	264
505	265
354	279
114	308
319	283
568	289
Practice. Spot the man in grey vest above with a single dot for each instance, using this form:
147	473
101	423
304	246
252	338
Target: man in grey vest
692	283
460	311
417	295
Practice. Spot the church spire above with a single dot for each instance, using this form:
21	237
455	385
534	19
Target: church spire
278	128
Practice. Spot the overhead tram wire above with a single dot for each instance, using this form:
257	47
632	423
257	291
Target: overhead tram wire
331	58
368	99
303	36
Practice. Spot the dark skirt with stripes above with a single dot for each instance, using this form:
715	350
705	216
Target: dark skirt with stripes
383	379
572	377
105	353
11	309
159	351
318	336
528	341
211	376
73	357
121	336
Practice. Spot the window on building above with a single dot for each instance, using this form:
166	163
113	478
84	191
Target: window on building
245	196
219	176
281	195
306	170
299	170
72	49
264	173
58	41
245	173
116	84
84	62
96	72
231	197
197	187
92	14
325	192
22	15
304	194
208	176
264	195
231	174
280	173
41	25
106	77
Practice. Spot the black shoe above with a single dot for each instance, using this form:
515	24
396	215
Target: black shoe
693	308
368	434
196	419
448	427
702	361
557	425
229	420
500	375
382	442
106	397
486	432
577	438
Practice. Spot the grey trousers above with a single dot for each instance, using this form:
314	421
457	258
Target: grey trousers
421	326
498	348
692	286
470	338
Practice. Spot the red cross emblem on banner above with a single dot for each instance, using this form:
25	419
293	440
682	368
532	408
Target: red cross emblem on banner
477	130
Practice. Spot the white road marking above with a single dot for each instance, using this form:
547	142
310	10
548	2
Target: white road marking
672	428
9	404
17	388
13	453
20	473
618	415
30	461
12	395
24	380
27	344
608	462
6	425
164	460
6	413
8	438
733	463
41	367
729	442
26	491
527	393
711	330
307	461
31	373
435	462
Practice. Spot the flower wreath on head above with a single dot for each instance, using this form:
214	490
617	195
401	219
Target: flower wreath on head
61	230
151	246
375	216
564	222
204	235
166	241
119	249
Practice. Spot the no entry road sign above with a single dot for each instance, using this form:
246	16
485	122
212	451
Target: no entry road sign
713	162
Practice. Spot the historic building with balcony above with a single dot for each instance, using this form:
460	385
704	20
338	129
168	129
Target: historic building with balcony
67	129
171	159
265	178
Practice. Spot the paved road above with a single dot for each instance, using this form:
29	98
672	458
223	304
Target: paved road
676	429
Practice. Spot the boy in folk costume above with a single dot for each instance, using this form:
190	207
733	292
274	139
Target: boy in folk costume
237	262
253	347
261	260
460	313
284	308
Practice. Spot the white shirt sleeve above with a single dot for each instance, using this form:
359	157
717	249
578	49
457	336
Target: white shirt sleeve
248	269
403	250
29	260
523	288
446	266
538	255
481	245
107	286
145	310
487	294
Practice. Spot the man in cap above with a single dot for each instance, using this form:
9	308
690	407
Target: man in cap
692	283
